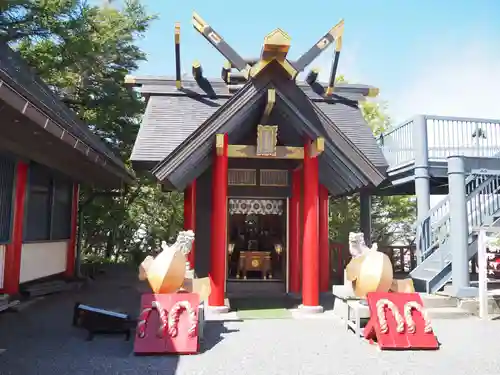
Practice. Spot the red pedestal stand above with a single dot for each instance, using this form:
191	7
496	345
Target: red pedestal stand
168	323
399	321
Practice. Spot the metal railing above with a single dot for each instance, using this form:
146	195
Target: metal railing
445	136
482	202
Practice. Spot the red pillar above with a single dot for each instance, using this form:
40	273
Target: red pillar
324	241
12	268
190	215
294	227
310	246
71	251
217	272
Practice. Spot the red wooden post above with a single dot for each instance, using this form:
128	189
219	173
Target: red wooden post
217	272
310	245
13	249
190	215
294	227
71	250
324	241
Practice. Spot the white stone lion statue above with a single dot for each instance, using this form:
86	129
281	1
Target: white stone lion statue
166	272
369	270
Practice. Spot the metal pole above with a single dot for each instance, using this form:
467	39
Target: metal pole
483	269
422	178
458	224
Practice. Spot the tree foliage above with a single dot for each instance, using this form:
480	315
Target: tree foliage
392	216
84	52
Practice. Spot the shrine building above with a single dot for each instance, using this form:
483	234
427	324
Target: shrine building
257	154
46	152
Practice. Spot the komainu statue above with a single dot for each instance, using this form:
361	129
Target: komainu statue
369	269
166	272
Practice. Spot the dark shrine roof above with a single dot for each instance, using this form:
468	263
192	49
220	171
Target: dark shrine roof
172	116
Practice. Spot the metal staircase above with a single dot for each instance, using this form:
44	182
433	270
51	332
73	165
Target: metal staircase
433	233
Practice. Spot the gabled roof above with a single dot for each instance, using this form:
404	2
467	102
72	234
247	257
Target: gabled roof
346	166
172	115
21	87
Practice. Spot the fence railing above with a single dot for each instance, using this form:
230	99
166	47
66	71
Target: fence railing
445	136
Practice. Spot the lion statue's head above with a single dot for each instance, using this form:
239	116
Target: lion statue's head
357	245
184	242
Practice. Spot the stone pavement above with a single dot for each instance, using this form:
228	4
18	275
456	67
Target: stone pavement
41	340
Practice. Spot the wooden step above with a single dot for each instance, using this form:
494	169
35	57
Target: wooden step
44	288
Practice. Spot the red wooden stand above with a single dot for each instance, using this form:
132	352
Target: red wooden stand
399	321
168	323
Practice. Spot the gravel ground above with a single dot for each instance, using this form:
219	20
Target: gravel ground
40	340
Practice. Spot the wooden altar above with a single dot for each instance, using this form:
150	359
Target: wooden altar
259	261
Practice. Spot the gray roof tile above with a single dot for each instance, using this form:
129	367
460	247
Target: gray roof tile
167	122
351	122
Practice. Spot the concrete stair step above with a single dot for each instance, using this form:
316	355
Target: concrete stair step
447	313
436	301
472	305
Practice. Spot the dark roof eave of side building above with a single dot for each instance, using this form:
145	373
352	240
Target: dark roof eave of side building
48	124
53	121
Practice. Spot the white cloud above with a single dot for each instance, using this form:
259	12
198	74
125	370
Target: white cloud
461	82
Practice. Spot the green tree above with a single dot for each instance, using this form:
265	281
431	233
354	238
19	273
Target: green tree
392	216
84	53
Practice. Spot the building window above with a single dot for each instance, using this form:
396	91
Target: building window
242	177
61	210
7	176
48	206
273	177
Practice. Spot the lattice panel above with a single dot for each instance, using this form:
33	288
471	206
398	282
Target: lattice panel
273	177
242	177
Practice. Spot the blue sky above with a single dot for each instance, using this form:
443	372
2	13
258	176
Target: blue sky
437	57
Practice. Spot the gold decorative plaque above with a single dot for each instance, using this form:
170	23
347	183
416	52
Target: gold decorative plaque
267	138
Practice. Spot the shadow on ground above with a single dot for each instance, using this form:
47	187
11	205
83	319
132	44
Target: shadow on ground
327	300
41	339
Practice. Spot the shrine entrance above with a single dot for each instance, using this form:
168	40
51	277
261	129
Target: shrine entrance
257	240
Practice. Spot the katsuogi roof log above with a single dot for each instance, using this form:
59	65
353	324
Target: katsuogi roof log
197	71
312	76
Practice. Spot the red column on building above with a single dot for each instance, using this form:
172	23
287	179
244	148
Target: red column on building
12	269
71	251
190	215
294	228
217	272
324	241
310	245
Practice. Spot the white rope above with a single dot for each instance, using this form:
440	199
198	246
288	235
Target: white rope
174	316
381	305
409	307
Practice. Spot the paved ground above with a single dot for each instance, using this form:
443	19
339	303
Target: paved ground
40	340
